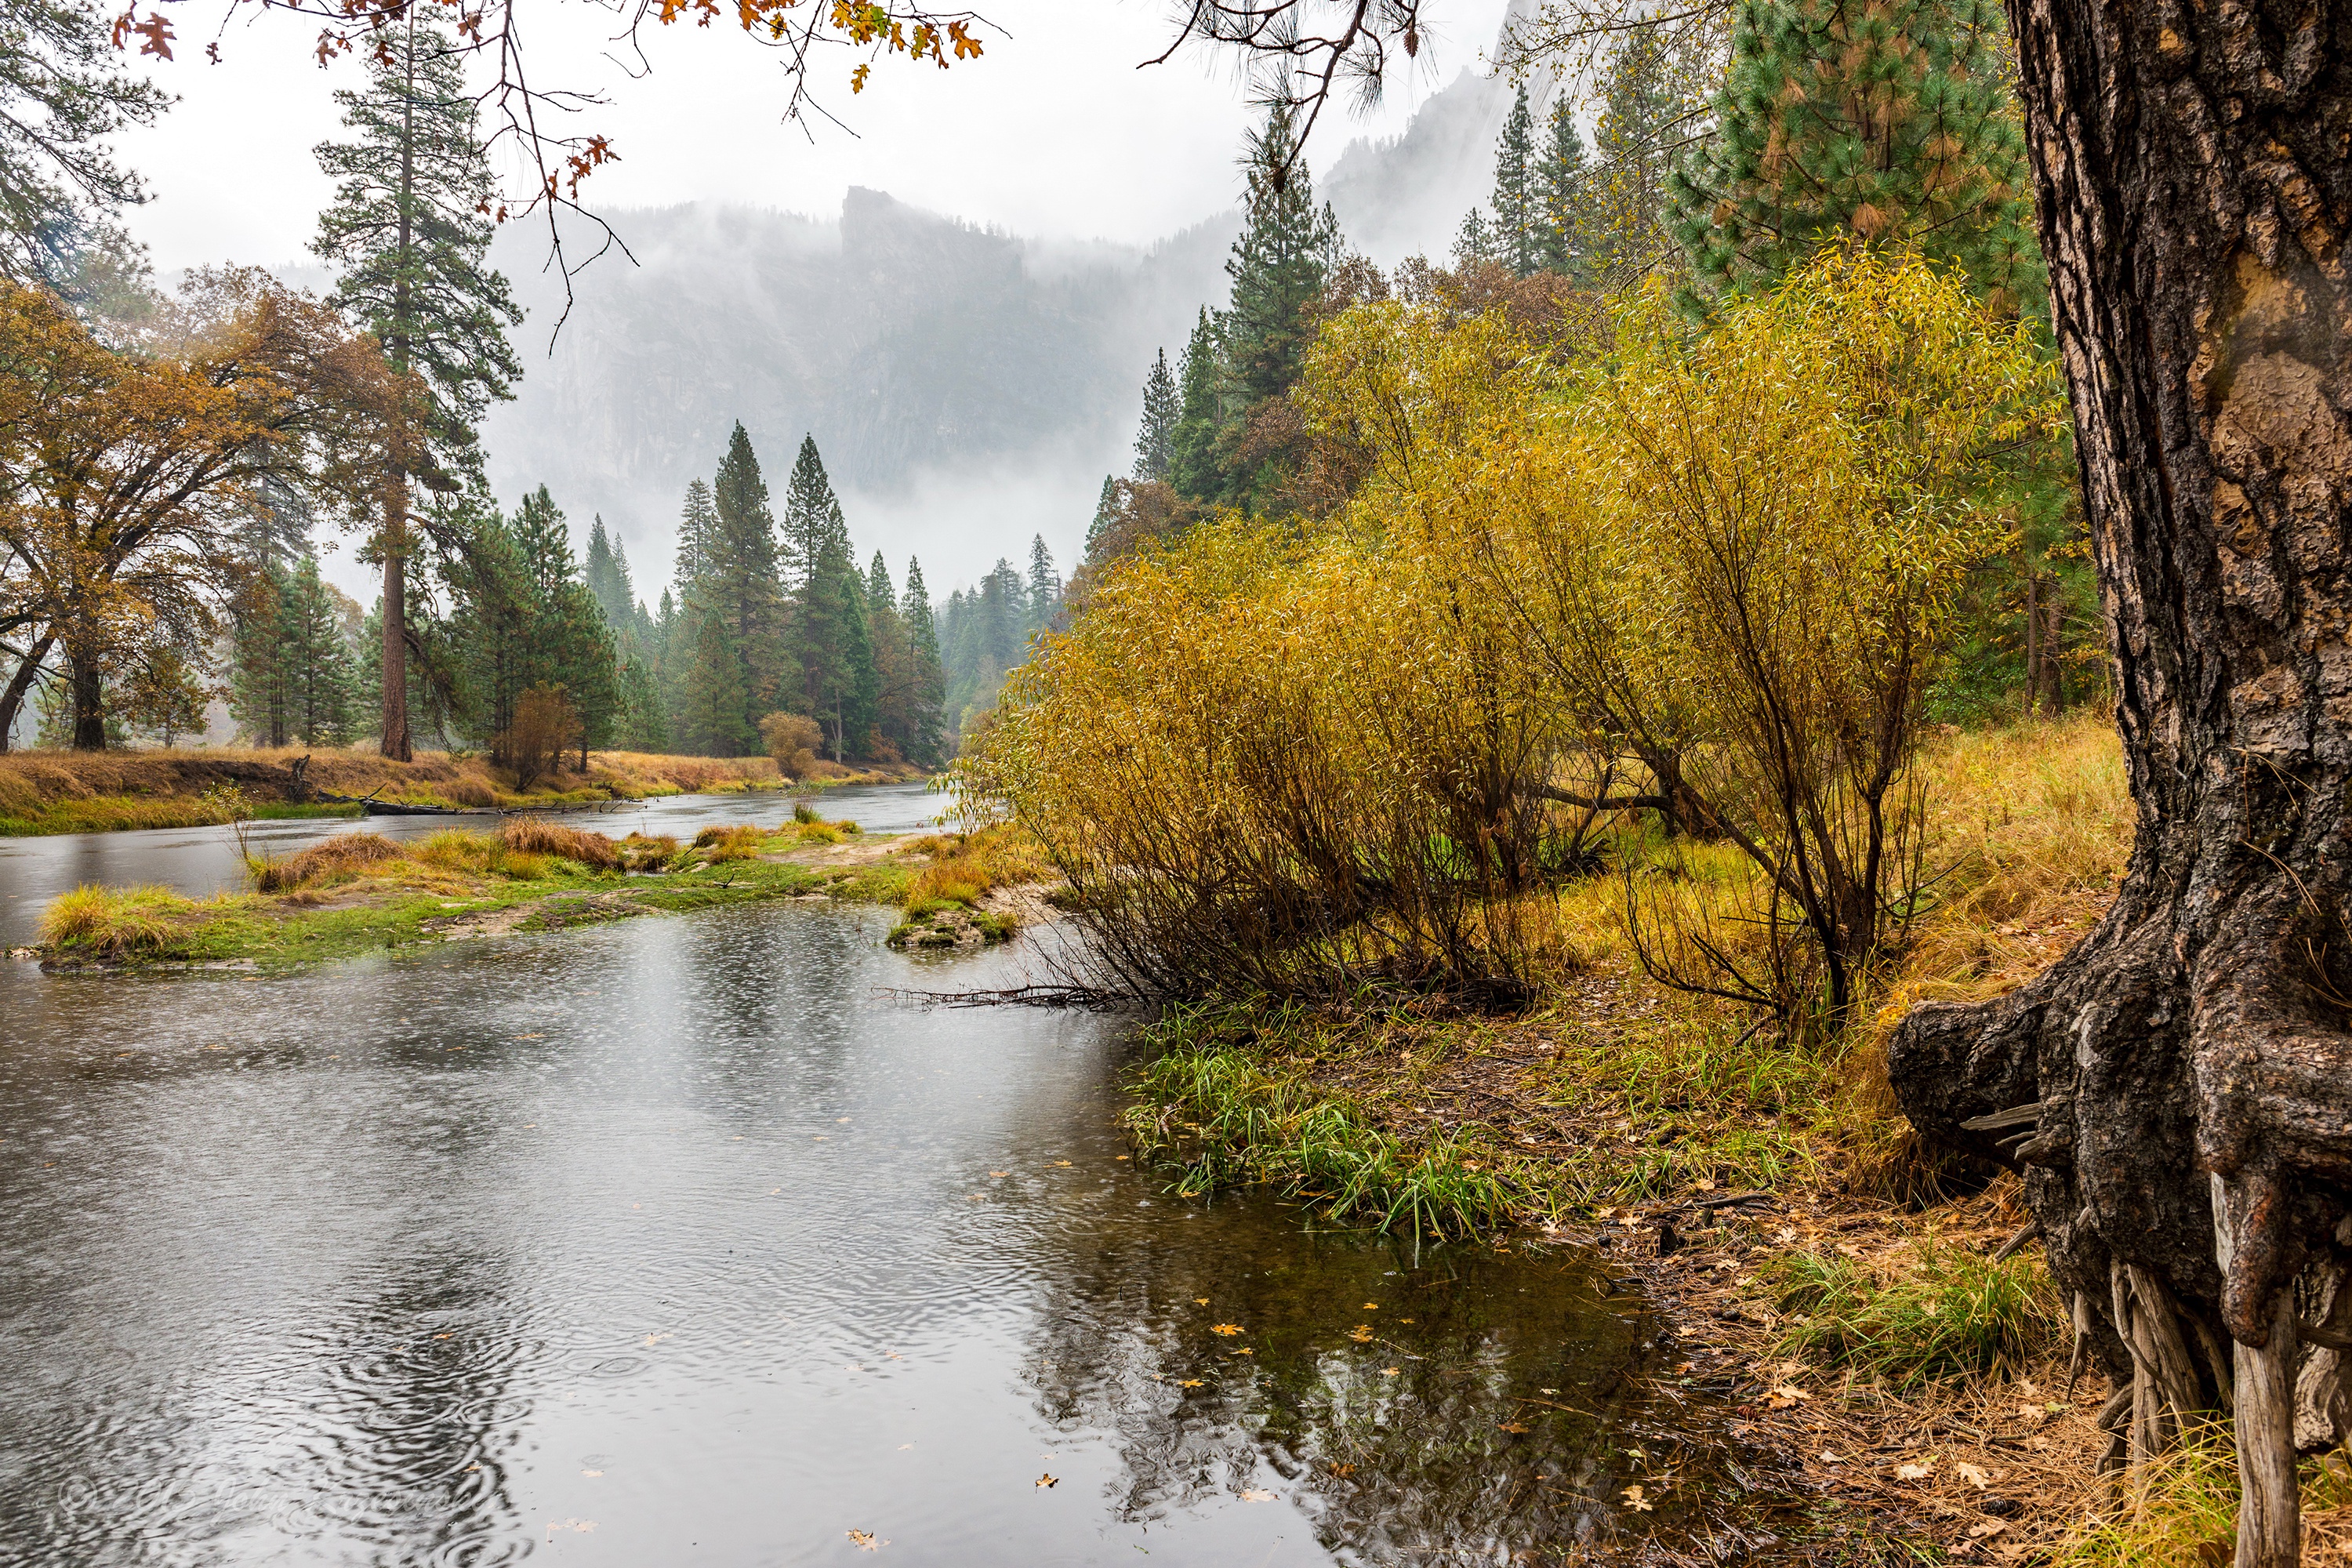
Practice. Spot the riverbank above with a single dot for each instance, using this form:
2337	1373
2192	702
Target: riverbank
360	893
44	793
1857	1298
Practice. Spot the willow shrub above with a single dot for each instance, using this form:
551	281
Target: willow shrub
1708	572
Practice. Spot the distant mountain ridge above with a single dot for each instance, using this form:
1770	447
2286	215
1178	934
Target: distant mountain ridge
968	387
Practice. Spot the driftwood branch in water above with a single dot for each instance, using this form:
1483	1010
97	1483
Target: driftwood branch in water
1086	996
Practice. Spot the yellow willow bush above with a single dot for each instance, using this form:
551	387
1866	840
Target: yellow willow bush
1743	549
1706	573
1284	764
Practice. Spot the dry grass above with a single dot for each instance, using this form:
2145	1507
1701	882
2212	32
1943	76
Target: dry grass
341	859
967	867
530	835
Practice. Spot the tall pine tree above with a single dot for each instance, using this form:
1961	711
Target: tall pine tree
1286	249
409	237
743	584
1650	100
1200	415
1519	226
607	571
1886	123
1155	439
926	706
1561	180
698	529
1044	596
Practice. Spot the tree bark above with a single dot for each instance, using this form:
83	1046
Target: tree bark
2189	1064
88	686
11	700
396	744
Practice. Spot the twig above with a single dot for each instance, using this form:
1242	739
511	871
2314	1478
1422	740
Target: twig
1086	996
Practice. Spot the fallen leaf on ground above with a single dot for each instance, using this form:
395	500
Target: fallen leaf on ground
862	1541
1973	1475
1635	1501
1915	1472
1342	1471
1989	1528
1226	1328
1190	1383
1785	1395
1048	1480
1513	1426
1253	1495
1361	1334
1200	1301
1371	1306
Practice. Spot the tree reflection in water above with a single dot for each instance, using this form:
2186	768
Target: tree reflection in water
1502	1405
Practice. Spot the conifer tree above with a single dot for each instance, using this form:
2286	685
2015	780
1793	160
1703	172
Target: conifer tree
643	724
1474	242
1892	123
1649	99
833	645
1560	182
1105	517
809	506
570	642
409	235
314	659
712	701
698	528
743	584
607	571
1045	595
259	689
1199	417
926	715
1518	227
1155	439
894	659
1278	267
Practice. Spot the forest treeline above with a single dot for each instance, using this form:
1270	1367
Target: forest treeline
1709	469
174	464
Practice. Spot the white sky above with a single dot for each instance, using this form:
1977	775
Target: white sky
1053	133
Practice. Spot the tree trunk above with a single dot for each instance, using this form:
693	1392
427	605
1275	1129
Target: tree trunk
2186	1065
89	700
2032	639
11	700
396	744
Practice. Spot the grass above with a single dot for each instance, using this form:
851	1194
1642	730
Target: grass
1215	1117
357	892
941	902
97	792
2185	1515
1942	1312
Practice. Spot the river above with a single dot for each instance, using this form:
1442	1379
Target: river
684	1239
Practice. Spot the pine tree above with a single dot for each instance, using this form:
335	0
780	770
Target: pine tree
743	583
570	644
64	96
1519	226
1105	518
1155	439
315	659
711	699
1474	242
1892	123
409	235
834	646
698	528
894	661
1045	595
809	506
1648	98
1278	267
927	703
1561	180
607	570
1199	417
260	692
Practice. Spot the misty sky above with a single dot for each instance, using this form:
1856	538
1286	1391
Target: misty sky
1054	133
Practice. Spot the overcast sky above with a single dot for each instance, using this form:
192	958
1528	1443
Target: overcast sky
1053	133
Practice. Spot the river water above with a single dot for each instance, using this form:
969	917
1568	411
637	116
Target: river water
683	1239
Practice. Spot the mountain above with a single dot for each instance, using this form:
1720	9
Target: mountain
968	387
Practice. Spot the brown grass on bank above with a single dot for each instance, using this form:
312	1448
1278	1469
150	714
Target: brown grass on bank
31	782
967	867
339	859
531	835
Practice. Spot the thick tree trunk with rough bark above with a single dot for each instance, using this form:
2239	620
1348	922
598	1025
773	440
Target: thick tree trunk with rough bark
396	744
2183	1081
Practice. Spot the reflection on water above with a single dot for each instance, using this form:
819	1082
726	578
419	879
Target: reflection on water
201	861
674	1239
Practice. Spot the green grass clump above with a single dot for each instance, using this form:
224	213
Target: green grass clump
1219	1119
120	924
1950	1312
